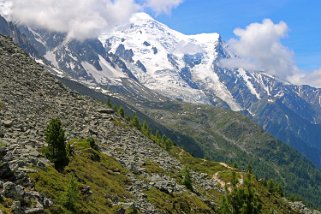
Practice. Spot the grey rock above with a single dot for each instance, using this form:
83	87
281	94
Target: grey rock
16	207
7	123
35	211
47	202
106	111
10	190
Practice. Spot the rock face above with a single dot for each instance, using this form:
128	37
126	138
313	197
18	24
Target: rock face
301	208
29	98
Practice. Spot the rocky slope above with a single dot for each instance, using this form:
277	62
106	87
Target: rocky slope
30	97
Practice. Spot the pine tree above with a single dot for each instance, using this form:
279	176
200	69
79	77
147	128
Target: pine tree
186	178
121	112
234	179
145	129
109	103
242	200
72	193
55	138
134	122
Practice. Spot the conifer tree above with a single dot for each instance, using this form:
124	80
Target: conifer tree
72	193
55	138
121	112
186	178
135	122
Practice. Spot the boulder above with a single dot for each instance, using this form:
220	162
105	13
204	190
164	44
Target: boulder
106	111
5	172
10	190
7	123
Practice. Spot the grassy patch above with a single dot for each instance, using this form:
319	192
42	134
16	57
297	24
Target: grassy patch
184	202
2	144
197	164
152	167
1	105
5	204
105	177
120	123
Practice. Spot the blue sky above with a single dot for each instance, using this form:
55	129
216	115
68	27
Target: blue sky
223	16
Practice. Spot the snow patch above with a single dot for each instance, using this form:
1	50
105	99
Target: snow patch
246	78
51	57
108	74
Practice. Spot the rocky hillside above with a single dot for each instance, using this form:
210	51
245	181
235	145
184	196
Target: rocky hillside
129	173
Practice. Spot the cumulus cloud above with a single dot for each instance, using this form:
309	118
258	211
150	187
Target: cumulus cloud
312	78
259	48
5	8
185	47
79	19
163	6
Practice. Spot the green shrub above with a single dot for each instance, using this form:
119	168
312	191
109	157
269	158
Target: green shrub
92	143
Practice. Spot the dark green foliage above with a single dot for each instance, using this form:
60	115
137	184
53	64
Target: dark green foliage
242	200
186	178
72	193
145	129
109	103
93	144
121	111
274	187
234	180
134	122
161	140
55	138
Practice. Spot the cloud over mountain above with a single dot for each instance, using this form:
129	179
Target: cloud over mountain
79	19
259	48
163	6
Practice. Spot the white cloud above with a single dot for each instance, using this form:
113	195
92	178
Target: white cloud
5	8
259	48
163	6
80	19
184	47
312	78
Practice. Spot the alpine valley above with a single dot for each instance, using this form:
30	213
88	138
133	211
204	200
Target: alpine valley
177	83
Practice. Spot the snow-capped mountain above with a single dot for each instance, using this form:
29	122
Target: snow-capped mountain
169	62
145	59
